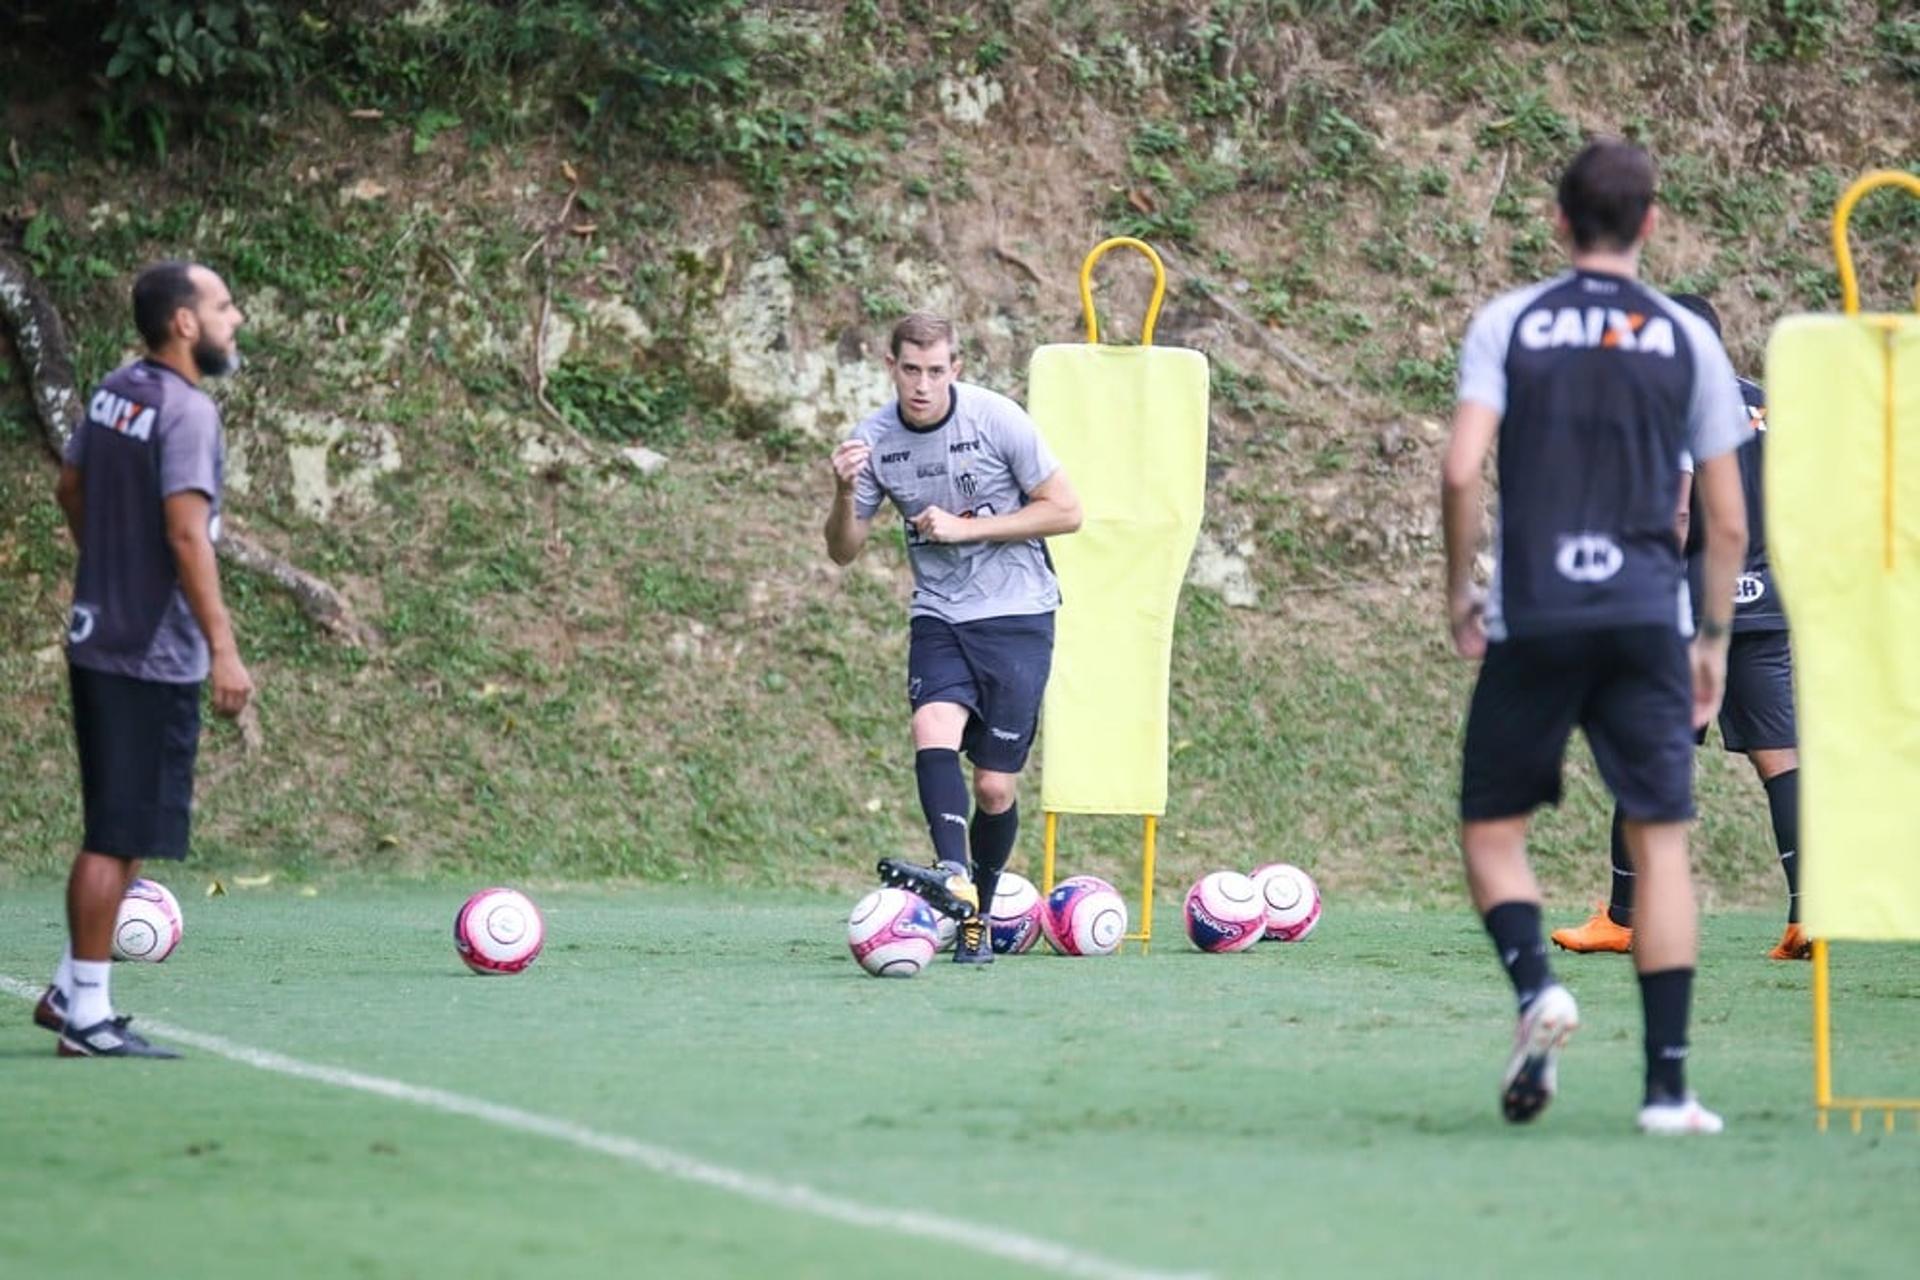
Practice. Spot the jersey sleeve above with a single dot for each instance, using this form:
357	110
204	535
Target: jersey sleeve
190	451
1716	413
1028	459
1483	357
867	493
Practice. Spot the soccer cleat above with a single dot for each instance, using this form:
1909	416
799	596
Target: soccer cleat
974	944
1599	933
1676	1118
1531	1077
109	1038
947	890
51	1011
1794	945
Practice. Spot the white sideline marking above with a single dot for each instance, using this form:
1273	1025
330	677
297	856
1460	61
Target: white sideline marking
797	1197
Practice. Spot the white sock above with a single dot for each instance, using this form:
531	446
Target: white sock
89	1002
63	976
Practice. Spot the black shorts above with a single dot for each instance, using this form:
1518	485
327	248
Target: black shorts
1757	713
137	741
997	669
1629	688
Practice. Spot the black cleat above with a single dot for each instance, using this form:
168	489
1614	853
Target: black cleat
974	943
949	892
51	1012
109	1038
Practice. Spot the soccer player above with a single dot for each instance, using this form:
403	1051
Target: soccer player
140	486
1757	716
1594	385
978	491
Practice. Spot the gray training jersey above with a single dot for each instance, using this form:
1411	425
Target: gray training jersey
148	434
984	458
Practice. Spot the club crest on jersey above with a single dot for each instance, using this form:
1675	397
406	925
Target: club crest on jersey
1588	557
80	624
117	413
1748	588
1603	327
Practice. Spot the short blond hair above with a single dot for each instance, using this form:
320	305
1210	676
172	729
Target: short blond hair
923	329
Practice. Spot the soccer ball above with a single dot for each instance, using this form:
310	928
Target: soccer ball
498	931
1084	916
148	926
1293	900
1015	919
1224	912
893	933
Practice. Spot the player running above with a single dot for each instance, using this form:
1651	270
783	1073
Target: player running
1757	716
978	491
1594	386
140	486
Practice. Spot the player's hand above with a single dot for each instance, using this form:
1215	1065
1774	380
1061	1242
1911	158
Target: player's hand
1467	620
937	525
849	460
1709	659
232	685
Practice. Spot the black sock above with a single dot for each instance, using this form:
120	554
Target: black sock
943	798
1665	999
1783	798
1620	904
993	836
1515	929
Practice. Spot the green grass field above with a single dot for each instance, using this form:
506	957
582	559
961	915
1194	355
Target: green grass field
1326	1106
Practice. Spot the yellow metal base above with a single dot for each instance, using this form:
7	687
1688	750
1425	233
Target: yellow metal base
1825	1104
1149	835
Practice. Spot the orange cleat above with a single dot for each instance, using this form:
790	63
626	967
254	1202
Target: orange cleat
1794	945
1599	933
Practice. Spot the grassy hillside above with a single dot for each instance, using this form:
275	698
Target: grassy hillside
587	672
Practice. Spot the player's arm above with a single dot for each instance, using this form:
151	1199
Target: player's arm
846	531
1474	427
71	494
1725	509
1053	508
188	513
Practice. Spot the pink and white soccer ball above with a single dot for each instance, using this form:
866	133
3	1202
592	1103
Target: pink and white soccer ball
1084	916
1292	898
1224	912
149	925
893	933
1014	922
499	931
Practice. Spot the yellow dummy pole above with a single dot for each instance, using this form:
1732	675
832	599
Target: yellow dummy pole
1823	1099
1149	835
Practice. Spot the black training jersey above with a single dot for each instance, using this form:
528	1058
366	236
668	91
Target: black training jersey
1602	384
1756	605
148	434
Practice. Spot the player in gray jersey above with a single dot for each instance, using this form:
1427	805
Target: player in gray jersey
1593	386
140	486
978	491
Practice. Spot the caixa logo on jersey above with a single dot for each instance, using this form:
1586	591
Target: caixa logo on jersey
1748	588
1588	557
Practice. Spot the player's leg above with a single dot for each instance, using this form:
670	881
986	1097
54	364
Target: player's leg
1638	722
1610	927
1013	658
137	743
941	691
1523	709
1757	718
